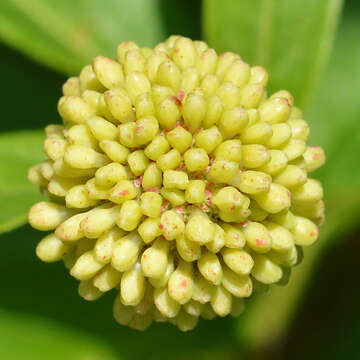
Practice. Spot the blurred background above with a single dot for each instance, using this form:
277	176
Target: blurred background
310	47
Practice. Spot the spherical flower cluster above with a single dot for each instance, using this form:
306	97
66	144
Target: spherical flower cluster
176	180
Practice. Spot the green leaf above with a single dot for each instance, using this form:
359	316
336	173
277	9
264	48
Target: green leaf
18	151
33	337
335	125
291	39
66	34
334	119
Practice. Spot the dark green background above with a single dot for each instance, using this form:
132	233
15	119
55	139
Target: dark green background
39	305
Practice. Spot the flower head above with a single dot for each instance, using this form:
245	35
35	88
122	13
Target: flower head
176	180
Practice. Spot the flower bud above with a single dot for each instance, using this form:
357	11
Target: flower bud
179	139
169	161
210	267
71	87
221	301
208	312
195	192
88	80
133	285
238	261
81	157
171	225
167	306
119	104
54	148
259	75
310	192
102	129
163	280
141	322
193	307
88	291
175	179
107	278
207	62
237	285
299	129
75	109
185	321
103	249
265	270
188	250
86	266
134	61
129	216
168	74
98	221
149	229
194	111
151	204
277	162
275	110
152	178
108	71
254	156
153	62
46	215
222	171
125	252
199	228
277	199
294	148
81	135
314	157
225	60
234	237
122	314
136	83
181	282
251	95
95	191
122	191
281	133
305	232
184	53
254	182
154	260
258	237
77	197
258	133
51	249
218	241
208	139
238	73
190	80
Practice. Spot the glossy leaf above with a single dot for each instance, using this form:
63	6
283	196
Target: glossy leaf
291	39
33	337
66	34
18	151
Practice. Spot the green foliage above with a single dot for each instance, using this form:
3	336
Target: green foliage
18	151
65	34
33	337
291	39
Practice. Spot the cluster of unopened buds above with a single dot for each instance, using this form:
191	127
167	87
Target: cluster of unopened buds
177	181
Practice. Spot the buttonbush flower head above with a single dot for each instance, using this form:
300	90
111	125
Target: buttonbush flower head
178	181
